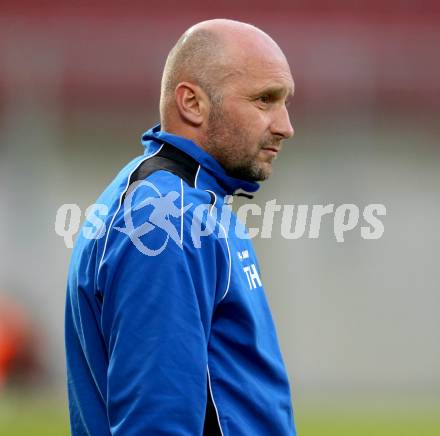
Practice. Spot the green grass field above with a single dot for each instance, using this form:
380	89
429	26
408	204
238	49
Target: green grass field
315	422
32	415
46	415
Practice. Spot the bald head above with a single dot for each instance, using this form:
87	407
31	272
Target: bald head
207	55
195	58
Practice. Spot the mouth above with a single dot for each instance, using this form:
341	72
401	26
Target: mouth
272	150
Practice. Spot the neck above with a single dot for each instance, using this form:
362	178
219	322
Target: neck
185	131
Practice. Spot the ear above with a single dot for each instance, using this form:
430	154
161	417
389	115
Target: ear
192	103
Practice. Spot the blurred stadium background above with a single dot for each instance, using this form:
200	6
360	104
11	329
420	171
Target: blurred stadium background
358	321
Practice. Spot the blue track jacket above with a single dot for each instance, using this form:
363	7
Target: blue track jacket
167	329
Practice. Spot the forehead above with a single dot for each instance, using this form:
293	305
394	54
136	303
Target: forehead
263	73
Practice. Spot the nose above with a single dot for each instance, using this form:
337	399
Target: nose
281	124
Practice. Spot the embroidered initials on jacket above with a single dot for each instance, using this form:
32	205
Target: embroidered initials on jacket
251	272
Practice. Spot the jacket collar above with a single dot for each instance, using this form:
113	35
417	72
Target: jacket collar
209	163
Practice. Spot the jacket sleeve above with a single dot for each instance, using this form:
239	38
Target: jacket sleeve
156	318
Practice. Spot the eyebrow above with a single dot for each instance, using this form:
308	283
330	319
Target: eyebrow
278	91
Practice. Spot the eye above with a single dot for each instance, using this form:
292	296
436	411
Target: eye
265	98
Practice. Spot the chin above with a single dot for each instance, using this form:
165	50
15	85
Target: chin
265	176
265	171
262	174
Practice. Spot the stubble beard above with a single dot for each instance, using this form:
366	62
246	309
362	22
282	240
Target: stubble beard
229	144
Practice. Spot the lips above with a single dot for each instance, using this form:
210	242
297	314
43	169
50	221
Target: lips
274	149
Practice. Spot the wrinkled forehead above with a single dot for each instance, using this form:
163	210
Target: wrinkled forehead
263	73
257	62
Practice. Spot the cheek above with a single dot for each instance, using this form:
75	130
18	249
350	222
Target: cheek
254	118
257	122
246	125
245	113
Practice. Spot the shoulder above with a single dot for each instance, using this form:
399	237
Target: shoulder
164	204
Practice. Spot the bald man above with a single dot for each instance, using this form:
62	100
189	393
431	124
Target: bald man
168	331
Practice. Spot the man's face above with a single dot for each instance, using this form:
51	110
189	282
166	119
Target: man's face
245	130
